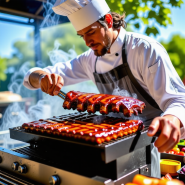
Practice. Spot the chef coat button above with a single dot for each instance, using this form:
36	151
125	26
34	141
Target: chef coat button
117	54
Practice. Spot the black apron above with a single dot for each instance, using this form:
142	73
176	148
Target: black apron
120	81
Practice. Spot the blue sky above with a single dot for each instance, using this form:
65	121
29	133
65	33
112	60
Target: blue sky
9	32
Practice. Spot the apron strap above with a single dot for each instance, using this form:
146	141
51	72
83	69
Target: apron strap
147	97
95	64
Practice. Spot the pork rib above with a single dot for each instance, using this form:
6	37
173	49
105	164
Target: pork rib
103	103
109	129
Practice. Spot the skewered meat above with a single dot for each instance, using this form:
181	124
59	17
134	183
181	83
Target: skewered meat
93	102
127	105
71	98
82	101
103	103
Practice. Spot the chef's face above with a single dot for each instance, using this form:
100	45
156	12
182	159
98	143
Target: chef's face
97	37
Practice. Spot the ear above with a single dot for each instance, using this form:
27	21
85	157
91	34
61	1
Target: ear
109	20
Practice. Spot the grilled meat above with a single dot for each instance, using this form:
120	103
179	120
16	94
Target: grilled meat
109	129
103	103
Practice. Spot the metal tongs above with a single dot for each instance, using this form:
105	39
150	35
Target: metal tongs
62	95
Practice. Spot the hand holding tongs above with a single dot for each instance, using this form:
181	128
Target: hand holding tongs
62	95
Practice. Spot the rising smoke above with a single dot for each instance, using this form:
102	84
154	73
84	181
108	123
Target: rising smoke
17	113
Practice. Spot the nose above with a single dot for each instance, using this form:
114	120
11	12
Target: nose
88	41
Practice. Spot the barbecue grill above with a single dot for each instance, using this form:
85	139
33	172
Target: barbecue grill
53	160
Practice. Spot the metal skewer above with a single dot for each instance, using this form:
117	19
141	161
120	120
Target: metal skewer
62	95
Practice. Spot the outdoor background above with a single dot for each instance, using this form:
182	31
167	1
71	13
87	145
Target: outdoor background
162	20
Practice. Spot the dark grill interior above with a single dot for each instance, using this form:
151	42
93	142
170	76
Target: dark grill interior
88	165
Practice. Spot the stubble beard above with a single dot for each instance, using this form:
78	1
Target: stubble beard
104	50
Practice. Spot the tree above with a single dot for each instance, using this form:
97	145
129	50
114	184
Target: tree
66	35
151	13
2	69
176	50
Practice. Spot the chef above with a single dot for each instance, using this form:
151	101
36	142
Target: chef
121	63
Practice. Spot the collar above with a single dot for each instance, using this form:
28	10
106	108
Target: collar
118	43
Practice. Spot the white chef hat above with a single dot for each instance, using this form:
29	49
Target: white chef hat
81	13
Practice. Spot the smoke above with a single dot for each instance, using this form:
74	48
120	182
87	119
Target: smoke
122	92
21	112
57	55
50	18
18	113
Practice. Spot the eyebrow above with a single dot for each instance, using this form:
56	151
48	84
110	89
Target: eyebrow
86	32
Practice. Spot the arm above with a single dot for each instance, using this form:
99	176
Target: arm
160	80
49	83
35	78
73	71
169	93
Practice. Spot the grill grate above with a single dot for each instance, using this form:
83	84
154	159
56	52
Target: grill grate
86	118
104	144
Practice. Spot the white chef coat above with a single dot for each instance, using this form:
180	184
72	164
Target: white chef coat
148	61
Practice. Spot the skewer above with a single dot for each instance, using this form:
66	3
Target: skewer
62	95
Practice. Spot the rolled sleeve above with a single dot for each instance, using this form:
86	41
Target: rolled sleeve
72	71
164	84
156	74
26	81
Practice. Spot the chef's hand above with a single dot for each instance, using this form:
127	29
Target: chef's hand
169	128
51	83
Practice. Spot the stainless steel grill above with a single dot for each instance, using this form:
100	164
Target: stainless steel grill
54	160
7	179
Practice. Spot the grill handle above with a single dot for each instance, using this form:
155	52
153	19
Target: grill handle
62	95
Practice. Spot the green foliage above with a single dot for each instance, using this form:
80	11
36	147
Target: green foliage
23	52
2	69
176	50
151	13
66	35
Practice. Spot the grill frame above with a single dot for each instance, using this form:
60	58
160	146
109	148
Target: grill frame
113	160
89	168
107	152
8	177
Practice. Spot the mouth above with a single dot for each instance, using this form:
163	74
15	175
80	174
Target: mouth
94	47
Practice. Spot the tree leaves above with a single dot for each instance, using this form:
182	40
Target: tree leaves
152	30
176	3
176	50
145	20
137	25
143	9
150	12
2	69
